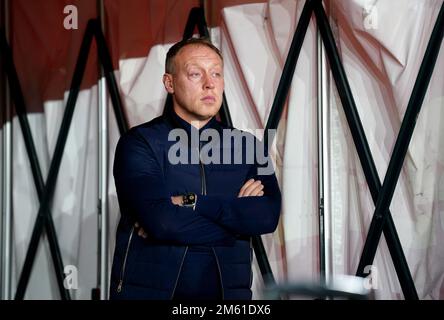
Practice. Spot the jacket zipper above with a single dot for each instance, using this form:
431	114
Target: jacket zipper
251	262
122	273
203	182
204	192
178	274
220	273
203	189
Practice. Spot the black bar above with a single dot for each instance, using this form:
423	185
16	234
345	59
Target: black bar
196	18
275	116
55	163
56	254
45	194
289	68
402	141
191	23
202	23
17	96
224	112
363	150
105	59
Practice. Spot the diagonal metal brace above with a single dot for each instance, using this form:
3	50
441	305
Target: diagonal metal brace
381	214
93	29
42	221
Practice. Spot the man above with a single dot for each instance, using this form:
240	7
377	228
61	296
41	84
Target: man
186	226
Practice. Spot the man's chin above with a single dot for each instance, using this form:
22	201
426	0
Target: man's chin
206	117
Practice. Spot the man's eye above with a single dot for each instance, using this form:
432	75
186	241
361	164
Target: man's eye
217	74
194	74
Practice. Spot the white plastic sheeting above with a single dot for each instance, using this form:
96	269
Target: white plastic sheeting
382	59
381	56
74	208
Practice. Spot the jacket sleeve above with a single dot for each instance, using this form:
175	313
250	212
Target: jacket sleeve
247	215
142	193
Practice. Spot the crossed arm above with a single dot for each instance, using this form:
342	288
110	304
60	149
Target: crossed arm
251	188
216	220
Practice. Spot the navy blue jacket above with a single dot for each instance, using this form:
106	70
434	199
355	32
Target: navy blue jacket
145	180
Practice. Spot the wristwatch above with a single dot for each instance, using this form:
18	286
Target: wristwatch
189	200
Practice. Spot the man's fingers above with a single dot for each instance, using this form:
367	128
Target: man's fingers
249	187
252	187
141	232
259	191
254	190
245	186
177	200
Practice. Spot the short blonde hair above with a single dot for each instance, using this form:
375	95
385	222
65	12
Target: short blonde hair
174	50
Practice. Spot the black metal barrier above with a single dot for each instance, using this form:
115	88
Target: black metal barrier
45	192
17	97
414	105
364	153
382	197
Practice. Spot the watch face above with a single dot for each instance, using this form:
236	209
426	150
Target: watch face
189	199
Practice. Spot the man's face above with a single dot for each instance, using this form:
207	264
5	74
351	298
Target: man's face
197	83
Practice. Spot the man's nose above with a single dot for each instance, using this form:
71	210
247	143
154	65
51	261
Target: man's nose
208	82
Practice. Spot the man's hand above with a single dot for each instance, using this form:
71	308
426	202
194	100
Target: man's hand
141	232
177	200
251	188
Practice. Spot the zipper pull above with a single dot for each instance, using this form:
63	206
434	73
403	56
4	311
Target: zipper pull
119	287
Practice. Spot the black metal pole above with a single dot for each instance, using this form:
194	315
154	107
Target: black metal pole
276	113
288	70
224	112
363	150
402	141
17	96
196	18
105	59
55	163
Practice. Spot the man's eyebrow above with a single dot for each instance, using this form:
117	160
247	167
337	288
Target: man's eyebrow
193	64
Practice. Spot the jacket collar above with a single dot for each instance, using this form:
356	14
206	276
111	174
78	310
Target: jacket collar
177	122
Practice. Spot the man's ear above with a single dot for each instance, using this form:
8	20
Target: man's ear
168	82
